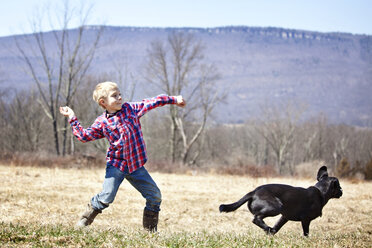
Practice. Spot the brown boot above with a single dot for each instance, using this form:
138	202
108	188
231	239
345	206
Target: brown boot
150	220
88	217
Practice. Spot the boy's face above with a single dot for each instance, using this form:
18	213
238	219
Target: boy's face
113	101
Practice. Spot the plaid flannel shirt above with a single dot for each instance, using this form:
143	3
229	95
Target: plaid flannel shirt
123	131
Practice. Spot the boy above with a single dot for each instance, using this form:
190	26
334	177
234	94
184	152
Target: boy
126	154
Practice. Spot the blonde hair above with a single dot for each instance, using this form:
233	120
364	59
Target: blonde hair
102	90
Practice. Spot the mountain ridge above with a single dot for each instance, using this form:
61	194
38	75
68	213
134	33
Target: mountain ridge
330	72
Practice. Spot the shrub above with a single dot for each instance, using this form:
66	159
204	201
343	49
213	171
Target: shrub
368	171
248	169
308	169
52	161
343	168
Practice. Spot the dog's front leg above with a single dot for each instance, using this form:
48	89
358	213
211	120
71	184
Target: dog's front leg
305	226
279	224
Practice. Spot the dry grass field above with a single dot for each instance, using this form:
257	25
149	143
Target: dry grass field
40	206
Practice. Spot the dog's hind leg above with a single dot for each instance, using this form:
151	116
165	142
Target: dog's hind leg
258	220
262	207
279	224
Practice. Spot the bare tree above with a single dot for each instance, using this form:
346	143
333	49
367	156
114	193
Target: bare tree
341	137
58	61
124	77
278	127
312	139
20	122
177	67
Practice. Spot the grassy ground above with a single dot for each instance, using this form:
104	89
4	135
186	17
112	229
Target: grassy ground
40	206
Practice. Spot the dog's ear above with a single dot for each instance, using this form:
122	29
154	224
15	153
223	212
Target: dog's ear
322	173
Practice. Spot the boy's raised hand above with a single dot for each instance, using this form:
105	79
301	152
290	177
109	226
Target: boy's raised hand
66	111
180	101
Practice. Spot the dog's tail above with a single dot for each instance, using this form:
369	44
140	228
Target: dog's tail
234	206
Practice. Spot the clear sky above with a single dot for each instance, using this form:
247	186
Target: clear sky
351	16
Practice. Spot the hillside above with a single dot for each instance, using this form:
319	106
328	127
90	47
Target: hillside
329	72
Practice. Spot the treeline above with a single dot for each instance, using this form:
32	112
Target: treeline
280	140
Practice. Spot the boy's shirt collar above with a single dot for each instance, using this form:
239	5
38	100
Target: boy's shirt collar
108	115
125	109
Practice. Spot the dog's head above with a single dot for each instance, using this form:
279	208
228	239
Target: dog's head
329	186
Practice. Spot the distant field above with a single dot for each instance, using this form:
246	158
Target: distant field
40	206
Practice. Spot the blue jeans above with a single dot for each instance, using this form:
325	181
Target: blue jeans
140	180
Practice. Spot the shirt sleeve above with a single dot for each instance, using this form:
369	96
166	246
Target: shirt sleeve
93	132
146	105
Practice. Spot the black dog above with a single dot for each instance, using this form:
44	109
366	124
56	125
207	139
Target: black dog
293	203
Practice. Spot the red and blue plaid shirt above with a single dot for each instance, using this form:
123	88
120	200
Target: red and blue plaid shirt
123	131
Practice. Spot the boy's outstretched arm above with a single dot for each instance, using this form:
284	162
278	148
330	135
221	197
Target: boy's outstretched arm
91	133
146	105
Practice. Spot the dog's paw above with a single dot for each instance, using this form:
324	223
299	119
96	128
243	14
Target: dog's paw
270	231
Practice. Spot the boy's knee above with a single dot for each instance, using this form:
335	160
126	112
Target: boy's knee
158	195
158	198
155	198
